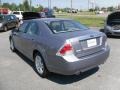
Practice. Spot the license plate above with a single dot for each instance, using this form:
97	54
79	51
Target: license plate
91	42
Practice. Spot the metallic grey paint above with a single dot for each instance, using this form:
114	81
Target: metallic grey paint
48	44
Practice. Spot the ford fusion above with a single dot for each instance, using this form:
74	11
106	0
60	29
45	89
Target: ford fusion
61	46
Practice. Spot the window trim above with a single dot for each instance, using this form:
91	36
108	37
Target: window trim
25	27
48	24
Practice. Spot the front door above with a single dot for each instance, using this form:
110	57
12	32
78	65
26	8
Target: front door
19	37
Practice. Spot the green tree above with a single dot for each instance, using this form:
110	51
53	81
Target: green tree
26	5
21	7
13	7
111	8
97	8
6	5
40	8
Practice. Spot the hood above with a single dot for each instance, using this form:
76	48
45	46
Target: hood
113	18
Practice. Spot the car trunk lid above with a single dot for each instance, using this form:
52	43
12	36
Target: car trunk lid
84	42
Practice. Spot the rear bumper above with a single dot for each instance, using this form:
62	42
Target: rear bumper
84	64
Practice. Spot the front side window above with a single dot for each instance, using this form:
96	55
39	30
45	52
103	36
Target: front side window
23	27
65	26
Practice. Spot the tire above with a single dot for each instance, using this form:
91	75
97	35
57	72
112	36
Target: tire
5	28
40	66
12	47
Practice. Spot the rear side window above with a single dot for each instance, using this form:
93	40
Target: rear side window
56	26
23	27
32	29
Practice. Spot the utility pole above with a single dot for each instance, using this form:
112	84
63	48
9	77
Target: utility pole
50	4
88	5
71	6
30	5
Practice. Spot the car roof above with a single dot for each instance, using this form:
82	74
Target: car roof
7	14
17	11
50	19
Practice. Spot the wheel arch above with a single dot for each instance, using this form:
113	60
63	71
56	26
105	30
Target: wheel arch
42	55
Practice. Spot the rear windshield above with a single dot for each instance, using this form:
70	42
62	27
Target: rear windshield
61	26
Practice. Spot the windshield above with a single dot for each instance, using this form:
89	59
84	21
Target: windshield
65	26
114	22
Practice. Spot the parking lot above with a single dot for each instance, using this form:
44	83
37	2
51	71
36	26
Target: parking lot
17	73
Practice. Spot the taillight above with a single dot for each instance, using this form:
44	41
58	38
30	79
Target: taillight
66	49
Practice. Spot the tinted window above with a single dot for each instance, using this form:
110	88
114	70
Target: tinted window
16	13
65	26
33	29
12	17
1	17
23	27
8	18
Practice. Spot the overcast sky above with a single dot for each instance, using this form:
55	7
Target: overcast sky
78	4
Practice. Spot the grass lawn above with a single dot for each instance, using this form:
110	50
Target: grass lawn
90	21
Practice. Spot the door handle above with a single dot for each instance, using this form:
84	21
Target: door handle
33	39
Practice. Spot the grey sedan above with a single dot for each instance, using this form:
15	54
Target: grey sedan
60	45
